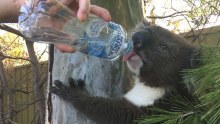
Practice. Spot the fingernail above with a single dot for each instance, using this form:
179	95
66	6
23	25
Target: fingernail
65	48
69	50
82	15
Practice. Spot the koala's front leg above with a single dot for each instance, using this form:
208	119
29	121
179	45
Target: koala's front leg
74	91
99	109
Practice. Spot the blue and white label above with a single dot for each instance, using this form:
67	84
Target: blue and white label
107	44
117	39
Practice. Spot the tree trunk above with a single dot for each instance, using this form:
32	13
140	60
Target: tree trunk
103	78
1	103
7	118
38	90
3	85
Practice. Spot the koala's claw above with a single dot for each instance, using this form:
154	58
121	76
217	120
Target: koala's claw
75	86
81	83
73	83
58	84
54	90
59	89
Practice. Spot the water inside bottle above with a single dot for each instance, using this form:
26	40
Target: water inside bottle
110	42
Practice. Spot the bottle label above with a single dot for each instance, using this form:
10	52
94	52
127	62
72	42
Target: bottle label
108	48
116	40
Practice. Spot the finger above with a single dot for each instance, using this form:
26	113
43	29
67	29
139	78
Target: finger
84	8
65	48
101	12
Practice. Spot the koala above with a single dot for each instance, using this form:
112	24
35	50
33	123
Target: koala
156	63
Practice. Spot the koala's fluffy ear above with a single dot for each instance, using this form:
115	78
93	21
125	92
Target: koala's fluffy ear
146	23
196	58
143	25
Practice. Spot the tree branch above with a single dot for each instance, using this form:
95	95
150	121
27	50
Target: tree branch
12	30
2	57
171	15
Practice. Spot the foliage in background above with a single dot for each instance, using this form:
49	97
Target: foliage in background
202	10
12	46
206	82
183	15
13	50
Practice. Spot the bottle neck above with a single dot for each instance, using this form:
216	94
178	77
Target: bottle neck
128	47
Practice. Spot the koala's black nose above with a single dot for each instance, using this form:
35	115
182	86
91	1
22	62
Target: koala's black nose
141	39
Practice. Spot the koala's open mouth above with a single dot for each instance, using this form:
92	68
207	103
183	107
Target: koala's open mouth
129	56
134	62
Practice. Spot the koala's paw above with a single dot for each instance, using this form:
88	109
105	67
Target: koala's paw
65	92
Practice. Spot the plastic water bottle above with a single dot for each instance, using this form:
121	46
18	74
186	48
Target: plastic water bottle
52	22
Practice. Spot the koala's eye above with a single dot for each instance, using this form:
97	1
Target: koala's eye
164	46
137	44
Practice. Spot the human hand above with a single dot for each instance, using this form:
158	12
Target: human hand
83	8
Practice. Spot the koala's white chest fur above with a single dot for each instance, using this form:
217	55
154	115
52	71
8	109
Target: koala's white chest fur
142	95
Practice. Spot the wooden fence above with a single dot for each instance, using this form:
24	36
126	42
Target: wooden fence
208	36
23	104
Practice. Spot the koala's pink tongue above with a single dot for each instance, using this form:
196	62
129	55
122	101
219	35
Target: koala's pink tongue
128	56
